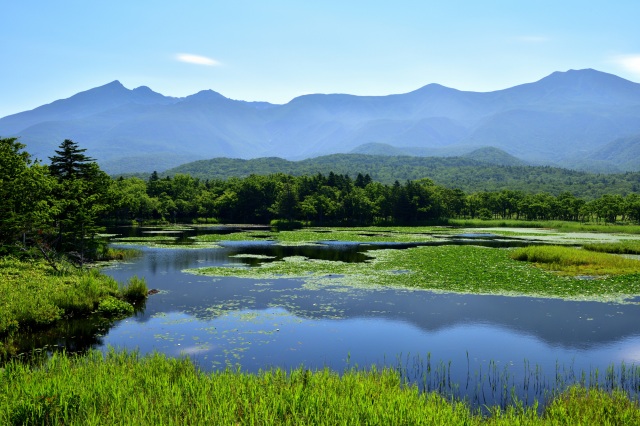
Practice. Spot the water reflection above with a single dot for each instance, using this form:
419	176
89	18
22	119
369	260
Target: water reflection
568	324
257	324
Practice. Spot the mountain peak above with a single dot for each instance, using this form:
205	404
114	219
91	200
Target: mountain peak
114	86
434	88
587	75
205	95
140	88
114	83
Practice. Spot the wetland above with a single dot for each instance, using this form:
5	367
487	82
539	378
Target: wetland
448	308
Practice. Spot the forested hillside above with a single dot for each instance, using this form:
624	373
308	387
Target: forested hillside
463	173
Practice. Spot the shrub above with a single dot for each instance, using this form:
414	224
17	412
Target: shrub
112	307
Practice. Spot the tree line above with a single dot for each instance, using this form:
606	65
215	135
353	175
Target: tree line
467	173
338	199
58	208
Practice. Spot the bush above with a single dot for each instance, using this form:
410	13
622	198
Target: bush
112	307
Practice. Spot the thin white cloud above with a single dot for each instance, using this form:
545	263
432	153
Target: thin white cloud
630	63
533	39
197	59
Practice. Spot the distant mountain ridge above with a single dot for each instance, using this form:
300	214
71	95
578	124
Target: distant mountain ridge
567	119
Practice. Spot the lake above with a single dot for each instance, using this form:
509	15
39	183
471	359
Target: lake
487	349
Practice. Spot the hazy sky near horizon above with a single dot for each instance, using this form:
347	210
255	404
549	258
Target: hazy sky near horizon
279	49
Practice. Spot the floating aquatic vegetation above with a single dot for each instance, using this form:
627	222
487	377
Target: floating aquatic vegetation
460	269
252	256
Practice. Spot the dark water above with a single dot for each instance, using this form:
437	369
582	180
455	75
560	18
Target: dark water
468	345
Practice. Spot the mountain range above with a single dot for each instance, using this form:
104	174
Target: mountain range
581	119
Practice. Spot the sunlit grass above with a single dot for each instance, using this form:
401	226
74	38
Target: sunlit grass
559	225
124	388
622	247
574	261
33	294
111	253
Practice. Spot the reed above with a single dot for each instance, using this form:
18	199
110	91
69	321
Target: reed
111	253
563	226
621	247
125	388
574	261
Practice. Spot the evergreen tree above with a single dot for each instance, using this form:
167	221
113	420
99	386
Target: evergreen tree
83	193
70	161
26	201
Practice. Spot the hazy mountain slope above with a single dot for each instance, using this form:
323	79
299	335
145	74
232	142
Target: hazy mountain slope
624	153
562	119
83	104
553	136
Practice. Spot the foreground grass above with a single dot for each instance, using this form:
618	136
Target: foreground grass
123	388
461	269
573	261
32	294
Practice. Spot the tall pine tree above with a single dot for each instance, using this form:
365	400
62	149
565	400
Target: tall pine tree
70	161
82	193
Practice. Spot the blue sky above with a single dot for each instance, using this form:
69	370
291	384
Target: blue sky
276	50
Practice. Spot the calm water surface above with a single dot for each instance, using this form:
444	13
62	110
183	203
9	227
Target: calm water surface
440	340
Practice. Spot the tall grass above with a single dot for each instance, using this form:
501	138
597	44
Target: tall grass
32	294
124	388
560	225
111	253
622	247
574	261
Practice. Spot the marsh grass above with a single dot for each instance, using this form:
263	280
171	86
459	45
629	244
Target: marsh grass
457	269
134	290
562	226
34	295
313	235
125	388
574	261
111	253
622	247
146	239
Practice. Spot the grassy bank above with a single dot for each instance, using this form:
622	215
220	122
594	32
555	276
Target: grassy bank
122	388
32	294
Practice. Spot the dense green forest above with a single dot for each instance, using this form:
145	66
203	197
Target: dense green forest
59	207
53	208
468	174
339	199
